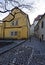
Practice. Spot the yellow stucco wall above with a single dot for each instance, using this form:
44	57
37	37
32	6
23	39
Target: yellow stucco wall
1	30
22	28
21	22
21	33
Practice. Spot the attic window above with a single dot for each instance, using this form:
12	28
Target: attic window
13	23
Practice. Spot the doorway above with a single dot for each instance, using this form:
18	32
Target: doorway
42	36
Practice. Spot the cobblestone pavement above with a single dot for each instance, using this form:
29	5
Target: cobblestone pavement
38	60
22	55
18	55
39	51
36	44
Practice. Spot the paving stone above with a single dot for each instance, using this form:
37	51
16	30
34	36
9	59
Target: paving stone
22	54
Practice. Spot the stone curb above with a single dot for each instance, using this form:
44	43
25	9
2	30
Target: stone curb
7	48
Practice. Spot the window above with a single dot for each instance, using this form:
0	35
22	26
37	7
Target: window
14	23
42	24
11	33
14	33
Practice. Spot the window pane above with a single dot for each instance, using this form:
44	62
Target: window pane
16	22
16	33
11	33
12	23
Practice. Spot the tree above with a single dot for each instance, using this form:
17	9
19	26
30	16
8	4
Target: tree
7	5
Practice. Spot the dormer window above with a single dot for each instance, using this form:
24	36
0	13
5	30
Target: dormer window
13	23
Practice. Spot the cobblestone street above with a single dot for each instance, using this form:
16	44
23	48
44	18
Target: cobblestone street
36	45
29	53
18	55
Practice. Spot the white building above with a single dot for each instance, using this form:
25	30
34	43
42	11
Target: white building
32	30
40	28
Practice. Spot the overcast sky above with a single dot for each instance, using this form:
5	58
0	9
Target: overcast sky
39	8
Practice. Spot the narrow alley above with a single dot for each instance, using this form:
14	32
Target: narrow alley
28	53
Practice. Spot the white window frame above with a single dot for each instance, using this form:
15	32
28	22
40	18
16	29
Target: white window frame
14	23
15	33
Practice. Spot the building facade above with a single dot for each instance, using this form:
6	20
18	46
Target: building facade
16	25
32	30
1	30
40	28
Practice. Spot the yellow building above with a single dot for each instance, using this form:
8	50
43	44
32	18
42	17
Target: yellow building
16	25
1	30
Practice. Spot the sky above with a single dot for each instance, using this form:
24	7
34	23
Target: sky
39	8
